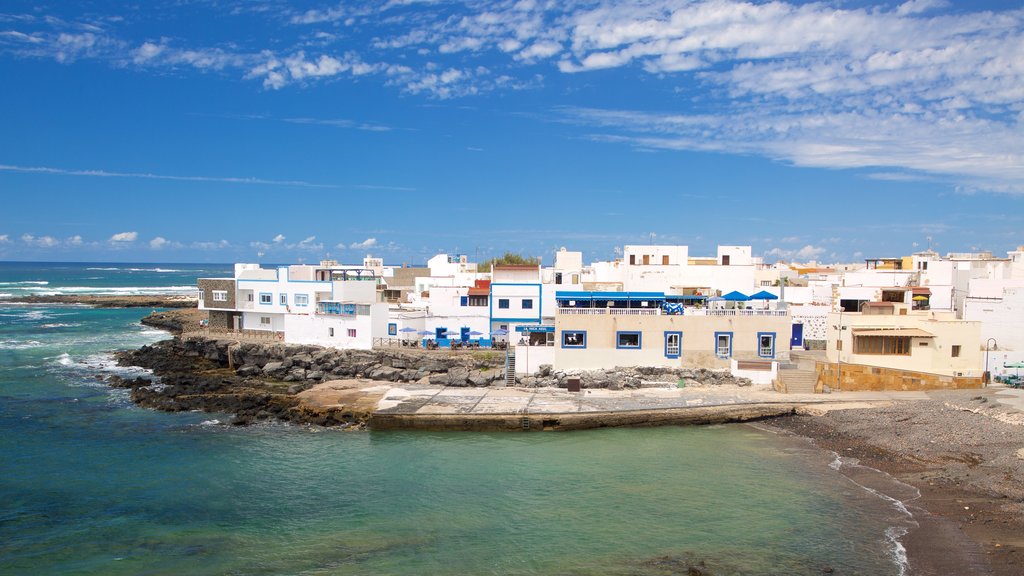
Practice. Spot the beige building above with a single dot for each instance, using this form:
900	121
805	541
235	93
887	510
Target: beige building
889	347
642	334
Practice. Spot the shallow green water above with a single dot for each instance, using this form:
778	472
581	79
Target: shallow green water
94	485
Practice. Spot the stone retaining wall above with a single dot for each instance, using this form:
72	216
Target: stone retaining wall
860	378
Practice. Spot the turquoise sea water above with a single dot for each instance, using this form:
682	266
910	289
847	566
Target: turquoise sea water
91	484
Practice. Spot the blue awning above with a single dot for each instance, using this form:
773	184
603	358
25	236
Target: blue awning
764	295
610	296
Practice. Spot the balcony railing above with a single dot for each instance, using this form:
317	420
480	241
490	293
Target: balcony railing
742	312
610	311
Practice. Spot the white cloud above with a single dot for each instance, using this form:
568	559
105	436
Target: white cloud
124	237
279	238
368	243
203	245
5	239
40	241
75	240
808	252
158	243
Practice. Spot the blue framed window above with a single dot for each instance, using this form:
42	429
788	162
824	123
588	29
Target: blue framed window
673	344
266	298
503	303
574	338
527	303
723	344
392	329
282	299
766	344
302	299
628	340
464	301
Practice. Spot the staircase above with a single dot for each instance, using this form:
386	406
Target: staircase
510	368
796	381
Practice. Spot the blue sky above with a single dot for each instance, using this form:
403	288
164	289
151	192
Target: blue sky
197	131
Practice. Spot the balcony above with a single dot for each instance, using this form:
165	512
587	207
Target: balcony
610	311
741	312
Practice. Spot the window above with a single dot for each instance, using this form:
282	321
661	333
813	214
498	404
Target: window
956	350
632	259
723	344
503	303
575	278
627	339
527	304
250	296
302	299
392	329
725	259
882	345
330	332
673	344
351	332
265	320
766	344
478	300
574	339
266	298
558	277
283	299
220	295
664	259
464	301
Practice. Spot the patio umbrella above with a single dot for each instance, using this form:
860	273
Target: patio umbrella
475	333
920	298
499	332
426	333
764	295
735	296
408	329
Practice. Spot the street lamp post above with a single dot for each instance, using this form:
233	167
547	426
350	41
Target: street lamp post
839	353
994	345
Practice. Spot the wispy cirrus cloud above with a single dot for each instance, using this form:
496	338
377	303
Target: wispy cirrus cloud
149	176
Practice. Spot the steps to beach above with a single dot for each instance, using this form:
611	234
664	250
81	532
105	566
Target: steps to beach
796	381
510	369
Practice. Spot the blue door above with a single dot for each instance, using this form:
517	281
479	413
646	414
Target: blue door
439	332
464	336
797	341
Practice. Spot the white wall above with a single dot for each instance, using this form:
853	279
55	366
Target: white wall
251	321
530	358
515	294
1002	319
315	329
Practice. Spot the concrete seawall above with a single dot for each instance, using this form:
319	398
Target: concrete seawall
578	421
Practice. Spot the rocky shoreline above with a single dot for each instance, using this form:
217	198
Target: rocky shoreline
257	381
965	456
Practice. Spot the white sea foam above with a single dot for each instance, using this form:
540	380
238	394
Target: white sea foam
61	325
116	290
20	344
102	268
137	269
26	283
836	462
897	551
213	422
5	294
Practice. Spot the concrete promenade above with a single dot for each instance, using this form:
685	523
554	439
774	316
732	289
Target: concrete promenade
393	406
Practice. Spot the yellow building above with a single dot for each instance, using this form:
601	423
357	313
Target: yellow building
887	346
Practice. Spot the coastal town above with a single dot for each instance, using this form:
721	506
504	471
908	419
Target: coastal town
908	323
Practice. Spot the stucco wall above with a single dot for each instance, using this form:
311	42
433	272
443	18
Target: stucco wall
697	344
